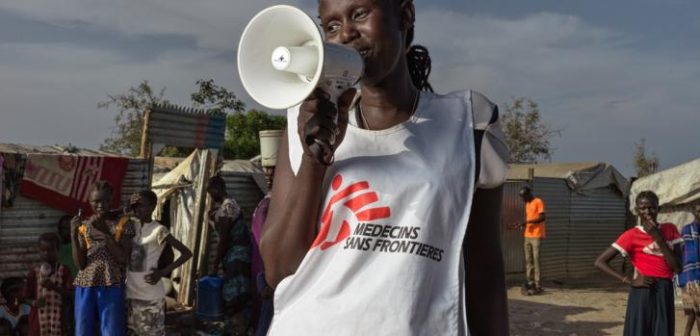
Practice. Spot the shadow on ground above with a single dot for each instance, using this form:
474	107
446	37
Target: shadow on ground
535	318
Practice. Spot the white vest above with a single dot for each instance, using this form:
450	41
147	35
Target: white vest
388	256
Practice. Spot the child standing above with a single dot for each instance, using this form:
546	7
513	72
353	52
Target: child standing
689	279
50	285
654	250
101	246
144	287
13	310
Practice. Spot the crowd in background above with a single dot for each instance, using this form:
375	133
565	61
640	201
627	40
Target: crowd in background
103	274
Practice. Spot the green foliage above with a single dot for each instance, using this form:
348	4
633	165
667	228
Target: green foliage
242	138
644	164
126	135
214	98
527	136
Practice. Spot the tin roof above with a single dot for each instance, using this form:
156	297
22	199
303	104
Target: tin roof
12	148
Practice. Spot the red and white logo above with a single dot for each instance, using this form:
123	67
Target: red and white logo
357	197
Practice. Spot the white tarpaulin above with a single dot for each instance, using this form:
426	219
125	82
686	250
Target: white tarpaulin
184	187
677	188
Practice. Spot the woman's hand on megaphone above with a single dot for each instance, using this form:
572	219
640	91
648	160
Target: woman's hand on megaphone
318	127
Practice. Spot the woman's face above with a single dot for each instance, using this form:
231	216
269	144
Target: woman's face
373	28
143	209
48	251
100	201
647	208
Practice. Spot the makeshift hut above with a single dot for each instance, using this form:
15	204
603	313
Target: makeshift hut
40	184
585	208
180	184
678	189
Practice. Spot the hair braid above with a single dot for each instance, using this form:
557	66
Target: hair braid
103	186
419	65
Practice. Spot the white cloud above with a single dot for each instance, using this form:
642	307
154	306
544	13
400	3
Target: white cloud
214	24
588	80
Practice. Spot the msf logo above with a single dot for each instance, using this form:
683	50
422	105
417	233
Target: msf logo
356	197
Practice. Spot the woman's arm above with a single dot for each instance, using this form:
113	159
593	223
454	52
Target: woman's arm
290	227
185	254
223	228
603	263
486	289
120	250
291	220
79	250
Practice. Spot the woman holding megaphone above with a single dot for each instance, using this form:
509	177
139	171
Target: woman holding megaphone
431	165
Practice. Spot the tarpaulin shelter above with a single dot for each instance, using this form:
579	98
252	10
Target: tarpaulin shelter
181	183
678	189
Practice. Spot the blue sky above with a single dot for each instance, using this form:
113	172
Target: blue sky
607	73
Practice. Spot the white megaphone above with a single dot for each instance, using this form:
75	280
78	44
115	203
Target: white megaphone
282	58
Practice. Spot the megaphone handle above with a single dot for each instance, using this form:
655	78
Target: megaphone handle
321	150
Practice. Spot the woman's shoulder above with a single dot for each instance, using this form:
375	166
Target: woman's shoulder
483	111
670	227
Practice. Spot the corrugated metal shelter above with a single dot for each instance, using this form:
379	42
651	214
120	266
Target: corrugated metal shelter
678	189
585	207
26	219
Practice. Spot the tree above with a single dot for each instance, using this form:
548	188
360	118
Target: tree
214	98
126	135
645	164
242	138
527	136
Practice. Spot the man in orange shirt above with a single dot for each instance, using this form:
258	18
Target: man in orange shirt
534	233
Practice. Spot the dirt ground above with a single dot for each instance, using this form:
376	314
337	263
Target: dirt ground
587	308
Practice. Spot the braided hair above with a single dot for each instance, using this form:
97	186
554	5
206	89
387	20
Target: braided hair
103	186
419	65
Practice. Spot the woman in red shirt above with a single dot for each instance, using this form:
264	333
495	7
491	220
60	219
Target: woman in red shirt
653	249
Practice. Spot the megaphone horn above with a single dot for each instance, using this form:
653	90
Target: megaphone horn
282	58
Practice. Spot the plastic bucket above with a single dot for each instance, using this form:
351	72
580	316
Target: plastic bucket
209	301
269	144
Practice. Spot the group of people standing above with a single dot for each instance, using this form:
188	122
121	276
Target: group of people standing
112	282
658	252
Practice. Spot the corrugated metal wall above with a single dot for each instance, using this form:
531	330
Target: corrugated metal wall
512	210
186	127
21	224
597	220
579	227
554	249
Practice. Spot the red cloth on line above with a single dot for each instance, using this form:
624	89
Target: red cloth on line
64	181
